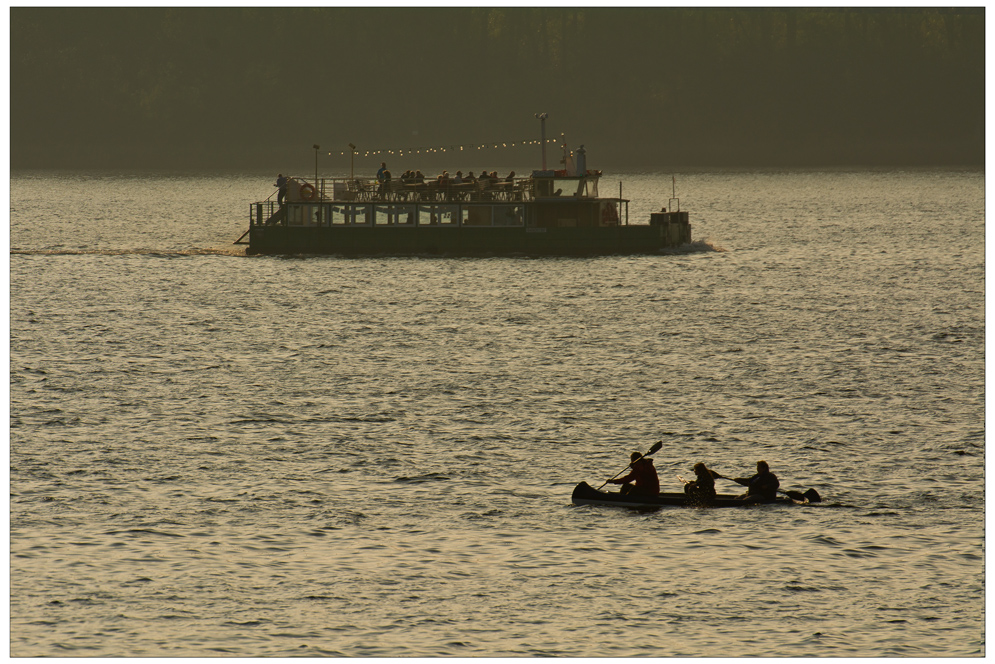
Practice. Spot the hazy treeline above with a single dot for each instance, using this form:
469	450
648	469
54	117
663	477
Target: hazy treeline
641	87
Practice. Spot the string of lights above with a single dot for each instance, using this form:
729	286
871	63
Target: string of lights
445	148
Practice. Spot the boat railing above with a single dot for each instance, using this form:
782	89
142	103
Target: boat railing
397	190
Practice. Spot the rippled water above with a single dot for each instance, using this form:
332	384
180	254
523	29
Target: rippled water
272	456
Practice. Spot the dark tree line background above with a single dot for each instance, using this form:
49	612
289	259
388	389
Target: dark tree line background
254	88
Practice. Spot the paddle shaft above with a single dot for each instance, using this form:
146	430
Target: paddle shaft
656	446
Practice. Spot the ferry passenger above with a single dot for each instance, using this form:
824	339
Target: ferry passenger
702	489
641	480
458	178
281	189
511	177
470	177
762	487
419	178
383	176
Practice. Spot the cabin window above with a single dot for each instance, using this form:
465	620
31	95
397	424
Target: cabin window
394	215
509	215
337	215
566	187
438	215
609	213
477	215
295	215
361	215
304	215
340	215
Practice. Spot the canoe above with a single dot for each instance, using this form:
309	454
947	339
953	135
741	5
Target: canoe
585	494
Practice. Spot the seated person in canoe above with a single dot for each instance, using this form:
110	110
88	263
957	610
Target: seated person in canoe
702	489
762	487
641	480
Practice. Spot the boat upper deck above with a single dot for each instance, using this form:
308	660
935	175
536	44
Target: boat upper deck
551	185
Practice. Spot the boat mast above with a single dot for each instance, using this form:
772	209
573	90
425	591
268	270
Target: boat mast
542	118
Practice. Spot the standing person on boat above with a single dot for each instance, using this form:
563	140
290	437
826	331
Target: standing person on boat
383	177
641	480
281	189
702	489
762	487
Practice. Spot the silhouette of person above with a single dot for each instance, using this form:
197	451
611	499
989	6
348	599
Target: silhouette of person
281	189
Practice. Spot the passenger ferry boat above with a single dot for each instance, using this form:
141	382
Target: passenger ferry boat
548	213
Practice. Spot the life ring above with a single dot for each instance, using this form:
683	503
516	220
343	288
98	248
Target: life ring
307	192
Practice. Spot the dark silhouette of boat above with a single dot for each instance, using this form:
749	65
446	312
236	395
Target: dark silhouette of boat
548	213
585	494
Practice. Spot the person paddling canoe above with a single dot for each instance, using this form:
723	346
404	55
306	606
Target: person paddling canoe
641	480
762	487
702	489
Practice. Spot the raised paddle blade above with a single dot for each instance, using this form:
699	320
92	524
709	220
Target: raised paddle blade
813	496
655	448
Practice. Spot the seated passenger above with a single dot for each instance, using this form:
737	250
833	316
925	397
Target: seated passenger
702	489
762	487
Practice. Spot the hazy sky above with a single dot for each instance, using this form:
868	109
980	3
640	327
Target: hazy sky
642	88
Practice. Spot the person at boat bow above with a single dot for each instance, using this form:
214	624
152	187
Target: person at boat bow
702	488
762	487
641	480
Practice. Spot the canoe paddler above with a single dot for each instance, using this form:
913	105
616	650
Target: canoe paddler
702	489
641	480
762	487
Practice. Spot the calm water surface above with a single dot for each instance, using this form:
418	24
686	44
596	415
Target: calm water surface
273	456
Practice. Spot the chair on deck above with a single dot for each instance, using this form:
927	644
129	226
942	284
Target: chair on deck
356	190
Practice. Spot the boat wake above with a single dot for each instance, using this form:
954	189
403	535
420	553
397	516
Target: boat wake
196	251
695	247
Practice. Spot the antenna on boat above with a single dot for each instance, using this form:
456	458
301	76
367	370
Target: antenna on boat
542	122
352	162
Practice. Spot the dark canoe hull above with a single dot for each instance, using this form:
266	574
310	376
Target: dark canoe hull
584	494
466	241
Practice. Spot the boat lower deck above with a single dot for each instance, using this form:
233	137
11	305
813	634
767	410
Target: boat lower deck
462	240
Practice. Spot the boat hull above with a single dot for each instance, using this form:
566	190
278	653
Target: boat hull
584	494
466	241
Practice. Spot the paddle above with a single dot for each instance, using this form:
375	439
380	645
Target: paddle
810	496
653	450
